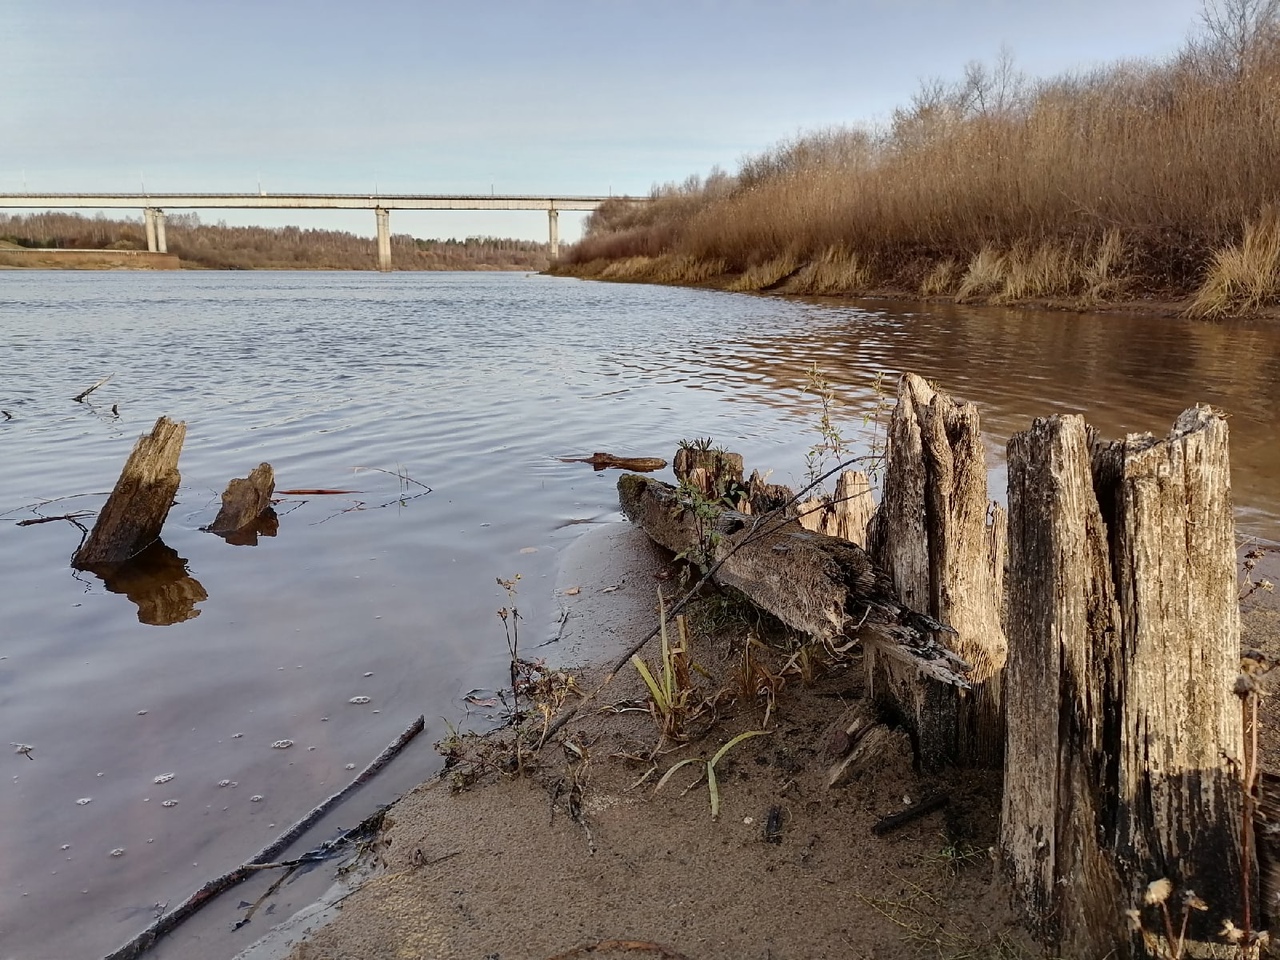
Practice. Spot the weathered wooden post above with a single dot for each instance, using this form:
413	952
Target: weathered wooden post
136	510
845	515
943	547
1124	737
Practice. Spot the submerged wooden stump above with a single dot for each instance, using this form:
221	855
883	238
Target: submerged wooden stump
1123	732
136	510
245	500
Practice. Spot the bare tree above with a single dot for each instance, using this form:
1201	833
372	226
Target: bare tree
1237	32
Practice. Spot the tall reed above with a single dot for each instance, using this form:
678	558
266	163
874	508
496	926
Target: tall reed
1030	185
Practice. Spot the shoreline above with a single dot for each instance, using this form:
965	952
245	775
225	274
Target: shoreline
501	869
1174	308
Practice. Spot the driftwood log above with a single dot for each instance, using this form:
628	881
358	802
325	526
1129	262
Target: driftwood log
607	461
1123	733
823	586
244	501
136	510
941	541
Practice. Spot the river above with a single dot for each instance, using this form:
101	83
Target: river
471	385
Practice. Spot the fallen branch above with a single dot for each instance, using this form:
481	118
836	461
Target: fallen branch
894	821
314	492
79	397
604	461
73	517
170	921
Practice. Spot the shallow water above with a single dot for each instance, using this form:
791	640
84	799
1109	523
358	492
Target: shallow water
471	385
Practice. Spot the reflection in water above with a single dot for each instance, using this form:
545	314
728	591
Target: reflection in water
158	582
266	524
1124	374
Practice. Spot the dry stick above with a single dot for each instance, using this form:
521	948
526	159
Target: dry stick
65	516
757	530
145	940
895	820
79	397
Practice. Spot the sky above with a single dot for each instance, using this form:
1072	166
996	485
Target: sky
418	96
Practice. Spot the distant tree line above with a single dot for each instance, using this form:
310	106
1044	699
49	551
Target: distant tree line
221	247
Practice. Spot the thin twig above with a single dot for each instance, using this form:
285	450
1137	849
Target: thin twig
145	940
79	397
65	516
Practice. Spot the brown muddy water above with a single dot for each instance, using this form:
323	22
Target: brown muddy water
472	385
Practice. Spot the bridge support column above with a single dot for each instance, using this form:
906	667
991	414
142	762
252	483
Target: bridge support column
384	238
157	217
149	219
553	225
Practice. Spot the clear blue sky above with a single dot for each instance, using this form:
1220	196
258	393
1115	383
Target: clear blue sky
465	97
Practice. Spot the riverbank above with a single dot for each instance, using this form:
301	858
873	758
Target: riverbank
1133	181
18	258
501	869
657	270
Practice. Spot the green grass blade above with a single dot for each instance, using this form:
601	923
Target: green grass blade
733	743
714	790
674	767
663	705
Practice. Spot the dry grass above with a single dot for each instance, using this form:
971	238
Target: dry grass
1244	277
943	278
836	271
1132	179
762	276
985	275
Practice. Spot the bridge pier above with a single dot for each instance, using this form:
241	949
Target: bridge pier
553	225
154	221
384	238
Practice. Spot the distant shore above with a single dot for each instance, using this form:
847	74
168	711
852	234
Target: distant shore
52	259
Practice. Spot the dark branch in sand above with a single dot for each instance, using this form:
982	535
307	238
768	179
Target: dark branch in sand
170	921
894	821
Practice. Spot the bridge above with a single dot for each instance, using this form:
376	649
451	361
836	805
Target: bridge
154	205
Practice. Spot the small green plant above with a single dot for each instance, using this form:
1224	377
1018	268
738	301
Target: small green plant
709	769
671	692
831	443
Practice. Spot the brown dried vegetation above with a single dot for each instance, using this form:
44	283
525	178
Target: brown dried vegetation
1139	179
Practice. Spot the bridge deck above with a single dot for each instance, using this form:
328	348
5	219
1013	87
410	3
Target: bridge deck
301	201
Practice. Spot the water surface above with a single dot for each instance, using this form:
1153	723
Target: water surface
471	385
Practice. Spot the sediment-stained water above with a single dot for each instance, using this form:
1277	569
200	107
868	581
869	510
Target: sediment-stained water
156	704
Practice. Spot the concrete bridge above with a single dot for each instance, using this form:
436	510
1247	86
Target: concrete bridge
154	205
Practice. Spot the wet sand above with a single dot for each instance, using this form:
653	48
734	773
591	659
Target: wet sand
500	870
